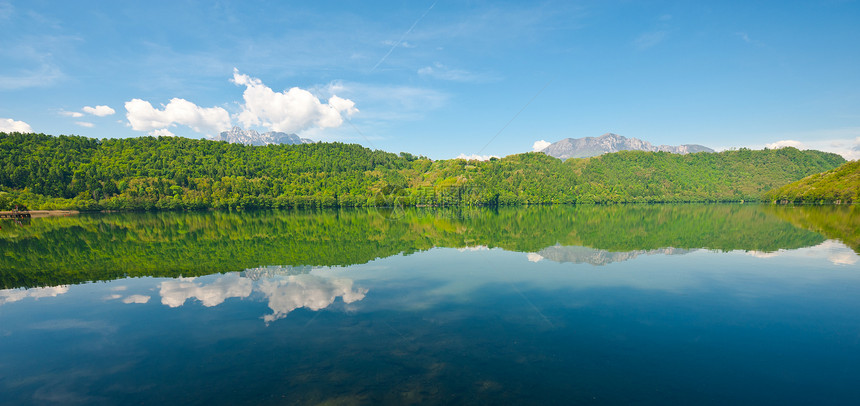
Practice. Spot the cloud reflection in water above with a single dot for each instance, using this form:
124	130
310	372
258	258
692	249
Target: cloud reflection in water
14	295
309	291
284	293
175	292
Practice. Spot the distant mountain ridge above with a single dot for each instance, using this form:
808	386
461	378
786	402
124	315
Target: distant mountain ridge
609	142
587	255
237	135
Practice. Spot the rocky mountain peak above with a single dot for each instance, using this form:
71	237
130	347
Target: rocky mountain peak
610	142
237	135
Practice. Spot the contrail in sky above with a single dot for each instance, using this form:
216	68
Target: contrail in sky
402	37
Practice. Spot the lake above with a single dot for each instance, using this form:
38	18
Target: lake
638	304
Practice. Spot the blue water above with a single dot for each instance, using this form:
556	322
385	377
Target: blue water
451	326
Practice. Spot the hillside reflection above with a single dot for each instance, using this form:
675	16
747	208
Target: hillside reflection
66	250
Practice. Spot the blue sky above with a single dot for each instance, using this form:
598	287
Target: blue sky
439	78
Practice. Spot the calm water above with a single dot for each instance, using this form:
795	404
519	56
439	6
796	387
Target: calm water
692	304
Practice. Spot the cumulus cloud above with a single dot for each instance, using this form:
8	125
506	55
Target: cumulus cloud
291	111
100	111
14	295
175	292
143	117
161	132
848	148
540	145
475	157
10	126
84	124
786	143
309	291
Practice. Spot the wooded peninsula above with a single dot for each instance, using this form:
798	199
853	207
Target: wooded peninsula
47	172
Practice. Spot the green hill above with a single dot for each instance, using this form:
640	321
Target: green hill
840	185
171	173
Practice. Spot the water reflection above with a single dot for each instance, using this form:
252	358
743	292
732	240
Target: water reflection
474	323
14	295
831	250
282	289
308	291
175	292
587	255
64	250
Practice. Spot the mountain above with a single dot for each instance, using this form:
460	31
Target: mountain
609	142
250	137
174	173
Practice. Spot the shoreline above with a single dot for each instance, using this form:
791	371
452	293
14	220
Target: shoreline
42	213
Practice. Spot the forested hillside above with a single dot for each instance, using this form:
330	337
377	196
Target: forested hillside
840	185
72	172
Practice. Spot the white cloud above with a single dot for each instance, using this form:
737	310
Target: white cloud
161	132
100	111
475	157
74	114
84	124
14	295
848	148
143	117
10	126
136	299
540	145
175	292
309	291
290	111
786	143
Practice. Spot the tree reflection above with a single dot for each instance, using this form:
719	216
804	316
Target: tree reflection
64	250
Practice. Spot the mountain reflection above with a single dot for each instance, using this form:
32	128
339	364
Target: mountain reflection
586	255
65	250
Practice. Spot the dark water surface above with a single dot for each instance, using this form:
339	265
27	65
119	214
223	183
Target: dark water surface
672	304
